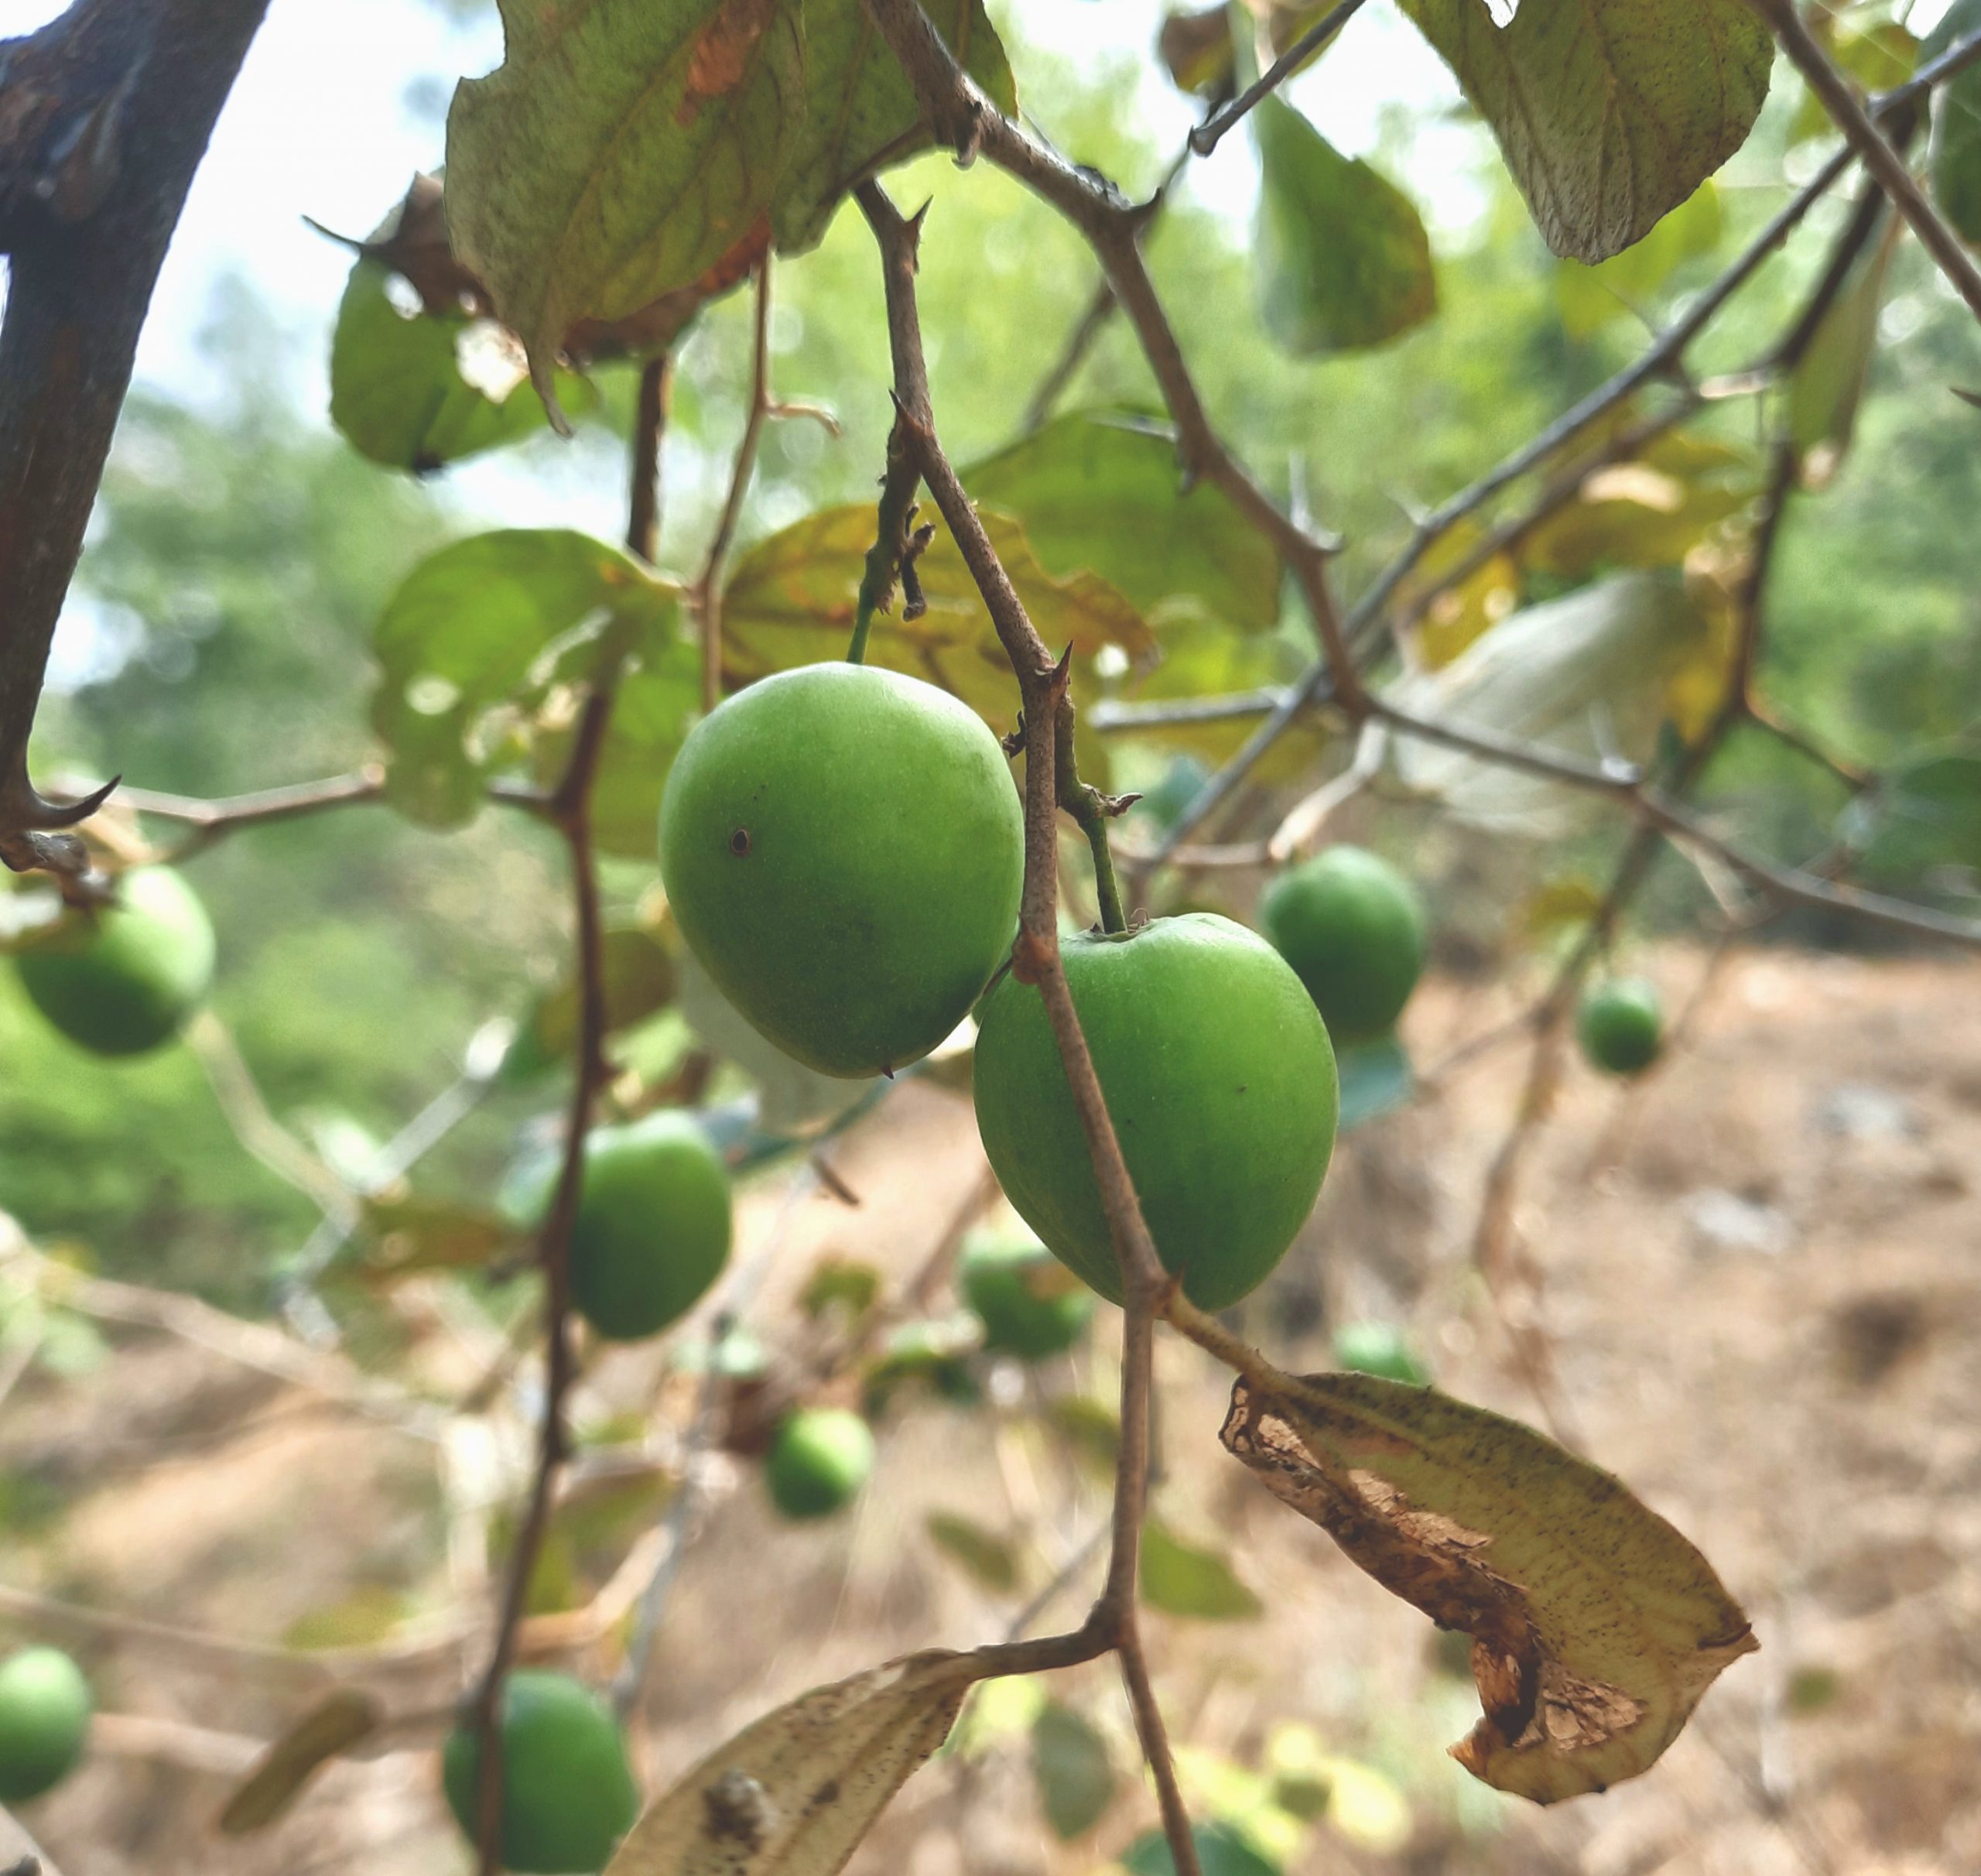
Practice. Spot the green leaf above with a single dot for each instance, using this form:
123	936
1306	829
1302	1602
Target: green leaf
860	109
1342	259
1922	817
651	711
1180	1580
1879	56
1596	1627
1075	1775
622	149
1375	1080
1954	154
841	1283
1221	1851
341	1720
790	601
1829	382
1590	297
1099	491
1092	1428
1609	113
465	646
988	1559
639	982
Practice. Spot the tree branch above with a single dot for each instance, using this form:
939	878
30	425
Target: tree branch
708	587
1207	135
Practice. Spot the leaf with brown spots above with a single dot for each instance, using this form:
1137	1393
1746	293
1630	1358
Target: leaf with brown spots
1595	1626
794	1794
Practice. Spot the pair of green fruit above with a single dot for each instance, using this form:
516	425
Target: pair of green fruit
844	852
45	1709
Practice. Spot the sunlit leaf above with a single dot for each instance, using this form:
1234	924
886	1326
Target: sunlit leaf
1878	55
1610	112
790	601
412	1234
1074	1775
859	111
335	1723
639	981
1650	512
1955	150
1463	611
1590	297
1596	1627
1342	259
1101	492
1181	1580
620	151
988	1559
794	1794
1828	385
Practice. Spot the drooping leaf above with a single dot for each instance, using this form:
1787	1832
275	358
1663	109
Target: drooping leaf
988	1559
622	149
1221	1851
1590	297
790	601
463	649
1181	1580
1099	492
335	1723
1342	259
1828	383
1596	1627
860	109
1609	113
1376	1079
1954	153
793	1794
1074	1775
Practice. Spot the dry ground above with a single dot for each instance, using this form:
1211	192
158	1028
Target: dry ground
1760	1275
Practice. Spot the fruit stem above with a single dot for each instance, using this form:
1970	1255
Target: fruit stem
1106	888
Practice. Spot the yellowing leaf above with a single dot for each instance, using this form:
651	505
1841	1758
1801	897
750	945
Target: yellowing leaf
1595	1626
620	151
334	1725
1610	112
1459	614
793	1794
1828	383
790	601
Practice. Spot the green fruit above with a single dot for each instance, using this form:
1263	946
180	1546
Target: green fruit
1221	1083
652	1228
1017	1289
819	1459
1621	1025
123	979
1352	927
45	1707
1376	1348
567	1794
843	850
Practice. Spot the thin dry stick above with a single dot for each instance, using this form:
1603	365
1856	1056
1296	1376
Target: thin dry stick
1207	135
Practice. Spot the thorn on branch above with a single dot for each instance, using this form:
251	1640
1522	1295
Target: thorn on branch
914	603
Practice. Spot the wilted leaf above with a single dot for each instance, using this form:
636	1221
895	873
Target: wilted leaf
1342	258
1194	48
1590	297
1828	384
1221	1851
1180	1580
621	150
860	109
1596	1627
1955	150
790	601
335	1724
1099	491
1074	1775
467	651
988	1558
793	1794
1609	113
1375	1080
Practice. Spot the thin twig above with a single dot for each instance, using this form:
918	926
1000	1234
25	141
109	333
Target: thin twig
1091	323
643	501
1206	136
708	587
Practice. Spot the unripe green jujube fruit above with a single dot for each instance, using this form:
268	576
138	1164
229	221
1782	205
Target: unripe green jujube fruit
123	979
45	1709
568	1795
1019	1291
1380	1350
1621	1025
1352	927
1218	1075
818	1462
844	850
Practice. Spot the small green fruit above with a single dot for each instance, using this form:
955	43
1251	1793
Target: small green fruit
844	850
1352	927
1621	1025
819	1459
1221	1083
567	1794
1377	1348
1019	1291
124	980
45	1708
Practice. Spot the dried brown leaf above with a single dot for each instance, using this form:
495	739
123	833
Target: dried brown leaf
335	1723
793	1794
1595	1626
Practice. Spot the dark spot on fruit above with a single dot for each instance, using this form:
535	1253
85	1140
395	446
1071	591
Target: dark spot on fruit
739	842
1241	1087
